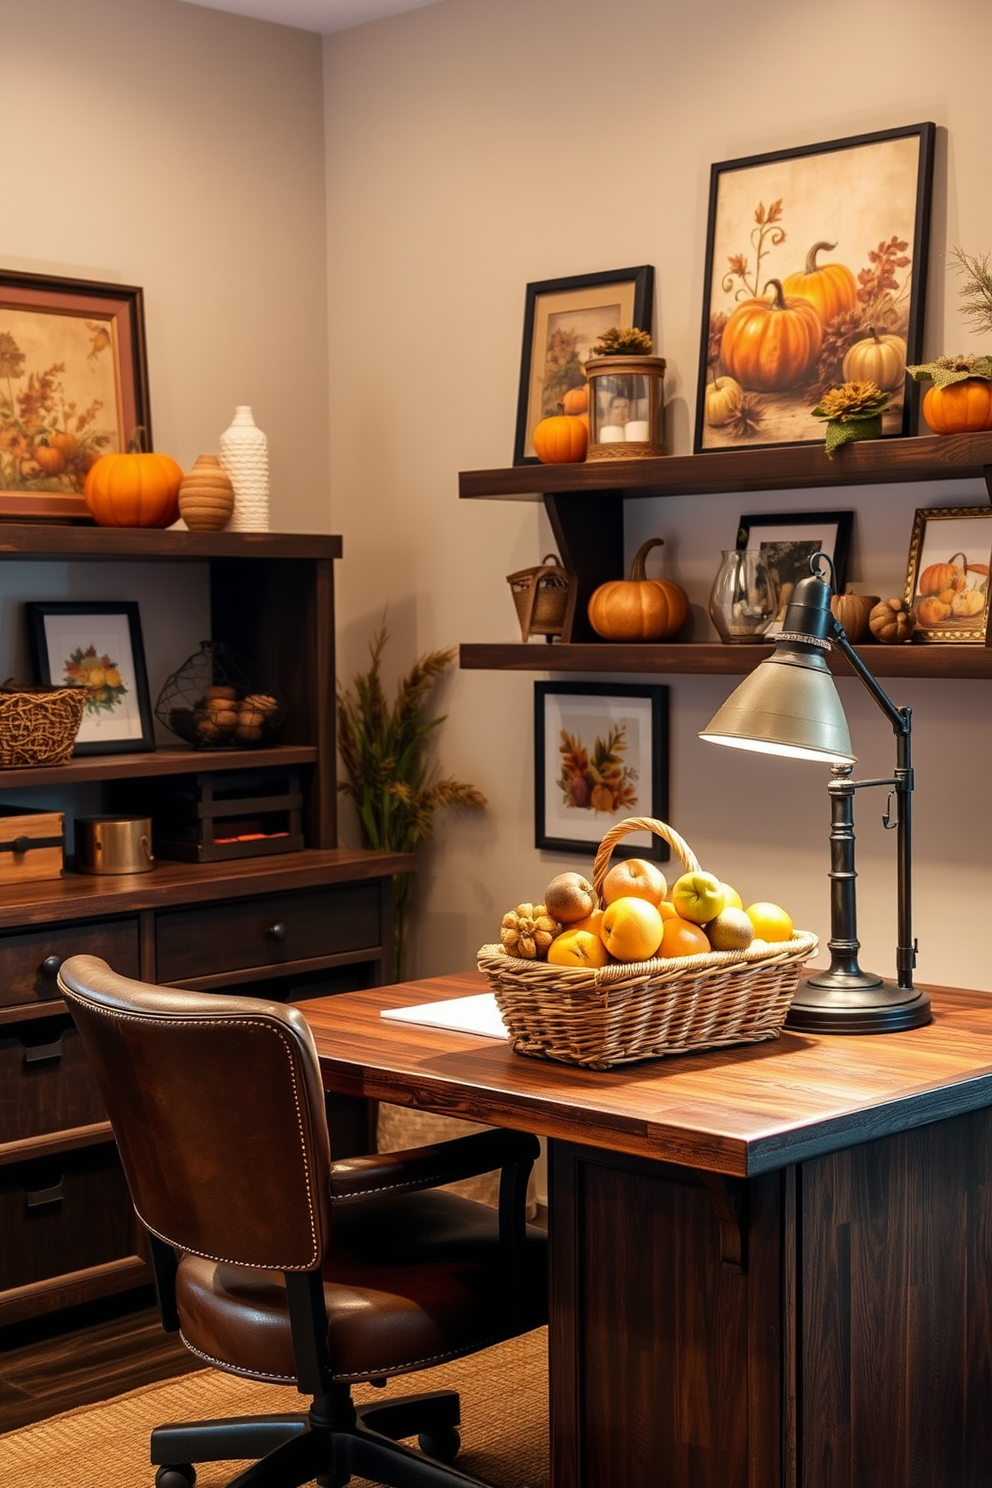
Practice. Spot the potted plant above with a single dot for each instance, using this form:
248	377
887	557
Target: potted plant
959	399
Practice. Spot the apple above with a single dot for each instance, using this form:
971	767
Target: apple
636	878
570	897
731	898
698	896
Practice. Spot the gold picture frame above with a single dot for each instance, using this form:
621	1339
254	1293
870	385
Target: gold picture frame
947	575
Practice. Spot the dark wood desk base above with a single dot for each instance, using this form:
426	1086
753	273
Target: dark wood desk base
795	1291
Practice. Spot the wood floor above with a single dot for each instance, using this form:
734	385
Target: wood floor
84	1355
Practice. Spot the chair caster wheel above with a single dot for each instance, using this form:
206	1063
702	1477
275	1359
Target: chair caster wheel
175	1475
442	1444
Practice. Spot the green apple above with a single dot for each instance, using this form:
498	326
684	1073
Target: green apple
698	896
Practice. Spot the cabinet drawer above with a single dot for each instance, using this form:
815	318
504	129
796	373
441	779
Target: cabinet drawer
62	1214
29	960
269	931
45	1081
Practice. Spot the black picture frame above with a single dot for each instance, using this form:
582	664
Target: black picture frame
572	706
83	343
867	196
63	635
810	532
596	302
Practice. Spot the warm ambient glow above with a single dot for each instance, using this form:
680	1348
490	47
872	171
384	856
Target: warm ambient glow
787	751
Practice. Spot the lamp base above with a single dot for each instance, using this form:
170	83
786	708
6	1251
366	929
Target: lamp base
822	1005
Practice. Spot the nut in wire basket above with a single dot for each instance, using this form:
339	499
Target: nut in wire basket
216	700
633	1010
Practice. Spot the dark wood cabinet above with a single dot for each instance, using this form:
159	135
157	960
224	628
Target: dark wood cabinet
585	506
284	924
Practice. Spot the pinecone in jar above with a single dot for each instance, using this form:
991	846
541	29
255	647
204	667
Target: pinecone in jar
527	931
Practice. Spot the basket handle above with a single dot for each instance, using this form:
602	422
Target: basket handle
621	829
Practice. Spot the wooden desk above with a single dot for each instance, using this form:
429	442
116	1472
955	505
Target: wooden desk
771	1265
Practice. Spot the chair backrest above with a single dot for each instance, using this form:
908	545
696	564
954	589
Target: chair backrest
218	1111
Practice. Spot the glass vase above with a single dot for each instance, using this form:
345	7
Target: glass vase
744	598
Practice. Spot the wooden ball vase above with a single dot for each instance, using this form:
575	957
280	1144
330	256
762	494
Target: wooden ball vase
206	496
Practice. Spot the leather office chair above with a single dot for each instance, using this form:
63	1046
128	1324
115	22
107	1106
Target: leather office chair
279	1264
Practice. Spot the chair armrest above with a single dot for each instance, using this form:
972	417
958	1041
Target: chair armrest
355	1178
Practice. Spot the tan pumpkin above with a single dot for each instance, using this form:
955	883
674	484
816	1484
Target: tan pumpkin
561	439
877	359
723	396
638	608
854	612
831	288
769	345
134	489
892	621
960	407
968	603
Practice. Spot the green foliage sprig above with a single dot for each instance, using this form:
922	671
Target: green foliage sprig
976	292
853	411
390	777
944	370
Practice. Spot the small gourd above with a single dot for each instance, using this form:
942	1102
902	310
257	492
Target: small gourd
576	400
959	407
206	496
892	621
854	612
878	359
561	439
638	608
723	396
133	489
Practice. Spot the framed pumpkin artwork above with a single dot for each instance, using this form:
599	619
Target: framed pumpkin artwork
815	272
947	577
600	755
73	386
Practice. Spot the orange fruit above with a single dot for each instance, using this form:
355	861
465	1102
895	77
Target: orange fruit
632	928
593	922
637	878
683	938
575	947
667	910
569	897
770	921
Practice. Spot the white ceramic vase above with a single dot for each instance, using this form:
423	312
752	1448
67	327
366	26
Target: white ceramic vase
244	454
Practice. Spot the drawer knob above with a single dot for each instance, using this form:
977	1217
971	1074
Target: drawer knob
39	1197
42	1053
278	932
50	967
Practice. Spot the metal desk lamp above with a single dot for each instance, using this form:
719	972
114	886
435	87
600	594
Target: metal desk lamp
789	706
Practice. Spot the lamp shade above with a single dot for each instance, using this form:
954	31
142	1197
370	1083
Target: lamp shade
788	705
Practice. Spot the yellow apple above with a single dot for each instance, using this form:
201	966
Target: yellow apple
731	898
698	896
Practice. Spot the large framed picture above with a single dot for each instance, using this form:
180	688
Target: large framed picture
73	386
563	318
816	263
947	577
787	541
99	647
600	755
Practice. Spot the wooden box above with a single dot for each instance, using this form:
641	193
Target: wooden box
226	814
31	844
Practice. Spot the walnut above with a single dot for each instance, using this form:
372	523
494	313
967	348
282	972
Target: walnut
527	931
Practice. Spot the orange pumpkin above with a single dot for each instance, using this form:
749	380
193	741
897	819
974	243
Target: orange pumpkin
960	407
134	489
892	621
830	288
937	577
638	608
932	610
576	400
48	458
877	359
561	439
770	344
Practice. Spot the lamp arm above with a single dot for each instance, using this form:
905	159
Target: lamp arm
901	721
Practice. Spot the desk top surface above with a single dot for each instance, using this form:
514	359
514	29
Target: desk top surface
738	1111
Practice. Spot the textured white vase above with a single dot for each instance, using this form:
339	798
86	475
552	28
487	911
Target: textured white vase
244	454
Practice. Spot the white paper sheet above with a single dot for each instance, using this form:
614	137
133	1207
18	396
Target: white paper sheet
478	1014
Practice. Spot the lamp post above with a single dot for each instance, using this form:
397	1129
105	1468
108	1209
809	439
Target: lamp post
789	706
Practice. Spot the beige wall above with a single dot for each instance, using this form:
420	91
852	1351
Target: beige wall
179	149
473	147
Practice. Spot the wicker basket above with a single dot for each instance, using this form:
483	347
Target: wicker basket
633	1010
38	725
541	598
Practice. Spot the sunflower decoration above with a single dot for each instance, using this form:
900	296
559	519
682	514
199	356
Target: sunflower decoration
852	411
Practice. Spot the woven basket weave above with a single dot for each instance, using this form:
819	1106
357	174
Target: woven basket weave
38	725
627	1011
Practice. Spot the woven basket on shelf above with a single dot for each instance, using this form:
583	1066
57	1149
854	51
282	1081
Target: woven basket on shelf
633	1010
38	725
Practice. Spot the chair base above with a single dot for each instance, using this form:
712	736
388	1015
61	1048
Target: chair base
331	1443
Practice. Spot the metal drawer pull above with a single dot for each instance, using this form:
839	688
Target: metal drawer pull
278	931
39	1053
42	1196
50	967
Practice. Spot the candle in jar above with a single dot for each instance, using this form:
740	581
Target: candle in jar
637	429
611	434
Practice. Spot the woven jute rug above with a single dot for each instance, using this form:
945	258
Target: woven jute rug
504	1395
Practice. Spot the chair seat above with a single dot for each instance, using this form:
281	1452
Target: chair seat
408	1282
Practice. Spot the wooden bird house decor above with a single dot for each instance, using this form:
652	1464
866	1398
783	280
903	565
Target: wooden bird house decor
541	596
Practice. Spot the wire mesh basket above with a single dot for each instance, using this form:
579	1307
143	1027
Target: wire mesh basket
216	700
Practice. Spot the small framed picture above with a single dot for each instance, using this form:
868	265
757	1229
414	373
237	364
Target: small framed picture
600	755
947	577
563	318
99	647
74	387
788	541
